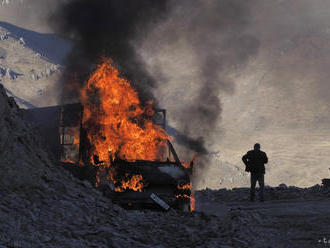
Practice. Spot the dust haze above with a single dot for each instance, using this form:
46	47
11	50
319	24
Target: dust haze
272	87
29	14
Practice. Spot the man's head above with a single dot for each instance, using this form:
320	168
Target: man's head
257	146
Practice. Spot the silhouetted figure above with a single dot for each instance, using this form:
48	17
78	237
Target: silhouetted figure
255	161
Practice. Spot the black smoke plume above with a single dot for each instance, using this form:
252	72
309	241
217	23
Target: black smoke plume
107	28
214	30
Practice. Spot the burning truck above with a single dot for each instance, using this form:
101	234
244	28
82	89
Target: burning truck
117	143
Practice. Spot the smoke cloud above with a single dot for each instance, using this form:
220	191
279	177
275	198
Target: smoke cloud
194	53
108	28
136	34
191	52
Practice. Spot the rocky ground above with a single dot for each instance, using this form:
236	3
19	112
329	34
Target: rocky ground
289	216
42	205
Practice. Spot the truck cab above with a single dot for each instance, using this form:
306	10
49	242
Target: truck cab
128	183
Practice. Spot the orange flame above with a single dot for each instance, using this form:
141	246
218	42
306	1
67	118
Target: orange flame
135	183
188	165
186	186
118	125
192	196
182	196
76	139
192	201
116	120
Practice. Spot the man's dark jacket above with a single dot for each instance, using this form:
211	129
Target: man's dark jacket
255	161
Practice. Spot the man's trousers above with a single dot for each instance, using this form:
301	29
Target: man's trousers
254	178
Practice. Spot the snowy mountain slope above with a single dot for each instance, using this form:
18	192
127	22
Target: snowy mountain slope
30	65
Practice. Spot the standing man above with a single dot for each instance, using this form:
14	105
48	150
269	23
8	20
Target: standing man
255	161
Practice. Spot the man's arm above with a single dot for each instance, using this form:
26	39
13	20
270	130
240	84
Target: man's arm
245	159
266	159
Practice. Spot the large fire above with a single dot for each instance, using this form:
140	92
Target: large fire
191	196
120	127
135	183
118	124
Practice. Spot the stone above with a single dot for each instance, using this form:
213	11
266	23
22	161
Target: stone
282	186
